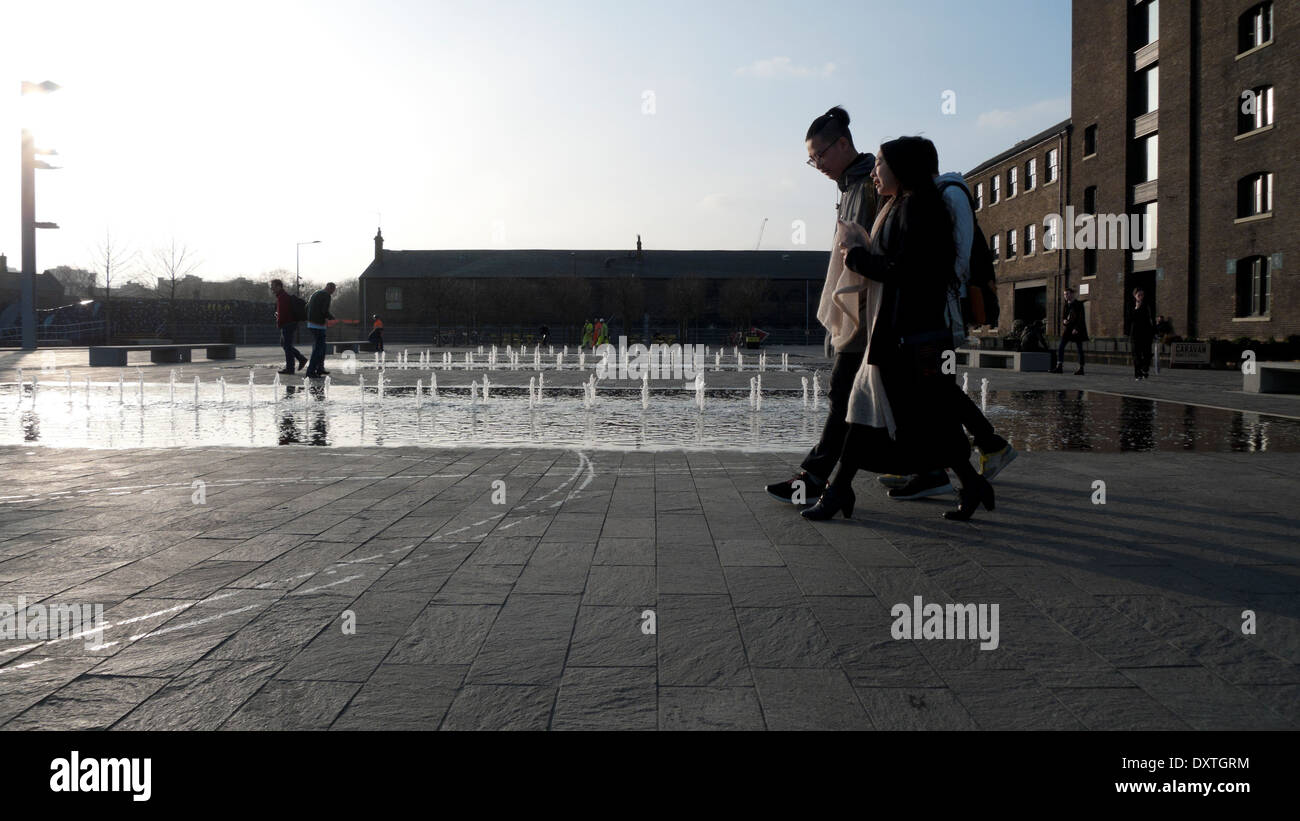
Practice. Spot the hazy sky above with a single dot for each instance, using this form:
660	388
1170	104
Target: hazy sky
243	128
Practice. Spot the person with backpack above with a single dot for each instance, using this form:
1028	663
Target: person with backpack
901	410
376	337
588	334
318	314
1074	328
289	311
842	310
995	452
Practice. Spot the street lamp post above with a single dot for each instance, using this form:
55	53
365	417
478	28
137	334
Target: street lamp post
297	257
29	223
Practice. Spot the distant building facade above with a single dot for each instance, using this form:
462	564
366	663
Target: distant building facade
1013	192
1173	110
704	289
1172	177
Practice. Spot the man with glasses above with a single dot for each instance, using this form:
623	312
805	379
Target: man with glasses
831	151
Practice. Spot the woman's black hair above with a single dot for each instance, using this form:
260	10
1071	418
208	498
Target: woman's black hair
910	160
830	126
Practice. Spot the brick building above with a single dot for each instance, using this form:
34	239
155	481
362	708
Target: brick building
712	292
1014	192
1173	114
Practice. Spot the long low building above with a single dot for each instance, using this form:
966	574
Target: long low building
705	289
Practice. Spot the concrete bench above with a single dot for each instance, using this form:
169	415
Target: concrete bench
1028	361
355	345
115	355
1273	377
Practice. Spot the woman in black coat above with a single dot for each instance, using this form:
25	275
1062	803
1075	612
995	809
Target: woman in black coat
911	255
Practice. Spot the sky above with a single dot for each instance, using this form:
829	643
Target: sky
239	129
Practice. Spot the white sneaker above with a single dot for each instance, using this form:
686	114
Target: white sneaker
991	464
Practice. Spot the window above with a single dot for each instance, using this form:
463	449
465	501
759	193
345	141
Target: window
995	250
1050	227
1090	262
1011	243
1090	140
1031	174
1255	27
1090	200
1029	239
996	185
1149	226
393	299
979	195
1255	110
1146	22
1254	195
1148	90
1149	158
1252	286
1011	181
1051	165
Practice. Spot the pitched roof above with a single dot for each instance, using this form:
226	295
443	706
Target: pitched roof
600	264
1020	146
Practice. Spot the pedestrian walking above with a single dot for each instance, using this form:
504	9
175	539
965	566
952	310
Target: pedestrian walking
841	311
901	415
377	334
318	314
1142	333
288	309
1074	329
995	452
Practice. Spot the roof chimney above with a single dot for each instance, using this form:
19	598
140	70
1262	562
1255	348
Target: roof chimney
379	246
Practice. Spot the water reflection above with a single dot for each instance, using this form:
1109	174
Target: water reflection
1058	420
1136	423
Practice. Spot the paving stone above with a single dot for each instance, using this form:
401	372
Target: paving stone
784	637
809	700
606	698
914	708
611	636
1009	699
403	697
293	705
501	707
201	698
626	585
699	642
1205	701
445	634
636	551
88	703
528	641
709	708
557	567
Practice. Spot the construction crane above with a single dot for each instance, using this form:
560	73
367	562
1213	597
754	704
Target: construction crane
760	234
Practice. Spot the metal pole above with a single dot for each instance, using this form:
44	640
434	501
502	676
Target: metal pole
29	242
297	277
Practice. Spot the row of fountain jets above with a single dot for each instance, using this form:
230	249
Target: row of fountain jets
514	359
536	385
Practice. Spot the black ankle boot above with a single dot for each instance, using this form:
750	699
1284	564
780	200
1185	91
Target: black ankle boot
831	502
971	496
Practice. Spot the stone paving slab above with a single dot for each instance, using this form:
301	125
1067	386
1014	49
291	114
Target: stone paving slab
383	589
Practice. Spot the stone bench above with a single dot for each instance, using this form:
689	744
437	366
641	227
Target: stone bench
1273	377
1028	361
115	355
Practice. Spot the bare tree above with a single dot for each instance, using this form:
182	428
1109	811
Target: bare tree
685	300
628	296
742	299
116	263
172	264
